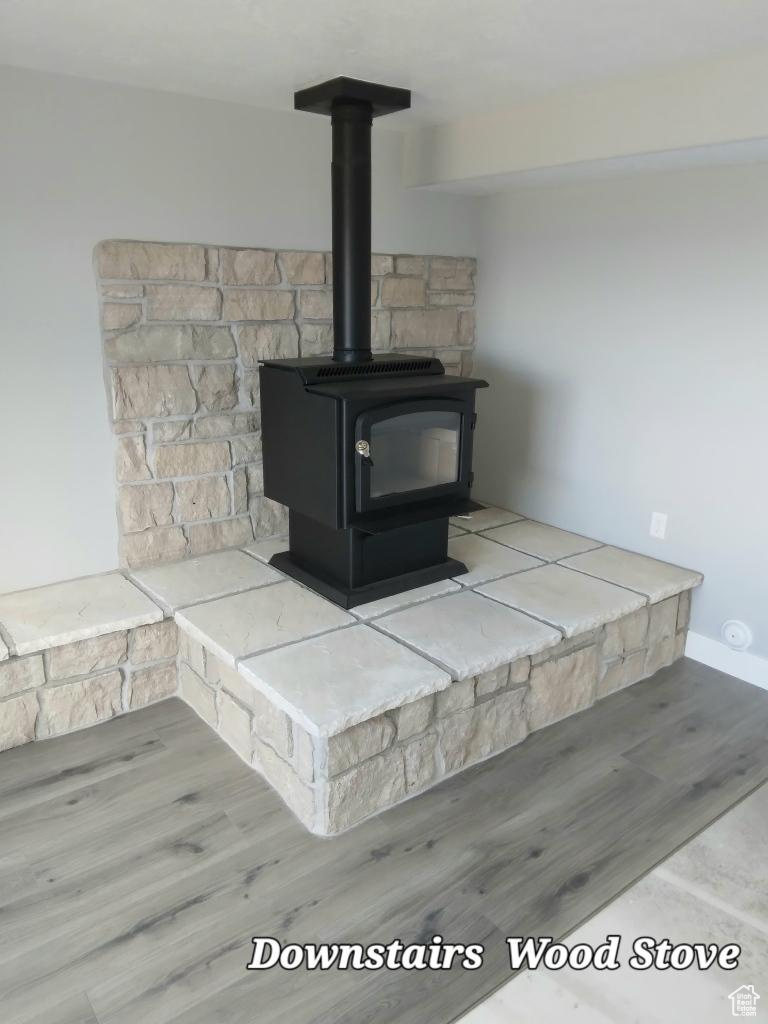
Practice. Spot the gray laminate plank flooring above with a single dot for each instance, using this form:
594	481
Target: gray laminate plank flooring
138	858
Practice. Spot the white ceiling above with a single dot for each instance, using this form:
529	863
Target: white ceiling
458	56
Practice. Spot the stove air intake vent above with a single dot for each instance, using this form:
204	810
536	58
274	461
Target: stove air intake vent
368	369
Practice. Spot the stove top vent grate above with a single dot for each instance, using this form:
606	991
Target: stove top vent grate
369	369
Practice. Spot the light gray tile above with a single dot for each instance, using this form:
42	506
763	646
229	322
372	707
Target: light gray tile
648	576
332	682
486	560
407	597
538	997
729	860
540	540
469	634
75	610
257	620
570	600
656	908
4	655
485	519
204	579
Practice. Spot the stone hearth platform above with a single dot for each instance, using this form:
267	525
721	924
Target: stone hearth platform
348	713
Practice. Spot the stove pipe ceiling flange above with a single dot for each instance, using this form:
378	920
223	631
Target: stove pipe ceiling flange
351	105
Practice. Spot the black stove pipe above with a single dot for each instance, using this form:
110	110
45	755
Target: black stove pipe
351	230
352	105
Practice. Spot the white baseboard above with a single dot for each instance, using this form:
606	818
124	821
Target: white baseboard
741	664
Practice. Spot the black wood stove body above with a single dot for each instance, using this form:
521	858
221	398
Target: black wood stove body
371	454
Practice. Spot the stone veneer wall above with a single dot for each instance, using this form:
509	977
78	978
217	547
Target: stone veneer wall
184	328
79	684
331	784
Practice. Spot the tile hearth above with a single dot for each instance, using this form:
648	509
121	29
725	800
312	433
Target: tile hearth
541	541
264	549
485	519
176	585
329	683
468	634
63	613
574	603
375	609
486	560
257	620
656	580
345	713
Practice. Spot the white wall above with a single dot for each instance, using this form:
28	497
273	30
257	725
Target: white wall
84	161
624	328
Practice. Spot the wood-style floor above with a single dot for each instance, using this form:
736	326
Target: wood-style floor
138	858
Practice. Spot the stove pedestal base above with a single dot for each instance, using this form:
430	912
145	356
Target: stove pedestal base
354	596
352	566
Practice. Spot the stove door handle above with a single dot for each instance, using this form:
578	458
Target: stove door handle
363	449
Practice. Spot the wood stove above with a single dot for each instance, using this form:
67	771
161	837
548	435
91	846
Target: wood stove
371	454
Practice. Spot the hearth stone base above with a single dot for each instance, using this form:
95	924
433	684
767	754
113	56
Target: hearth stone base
347	714
67	687
333	782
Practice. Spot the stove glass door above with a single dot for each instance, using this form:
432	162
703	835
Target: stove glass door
414	451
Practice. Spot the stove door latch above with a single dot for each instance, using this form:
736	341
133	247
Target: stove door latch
363	449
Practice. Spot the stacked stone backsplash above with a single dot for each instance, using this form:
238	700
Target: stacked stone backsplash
184	327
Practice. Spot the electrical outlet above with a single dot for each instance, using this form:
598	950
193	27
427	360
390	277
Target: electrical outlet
659	525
